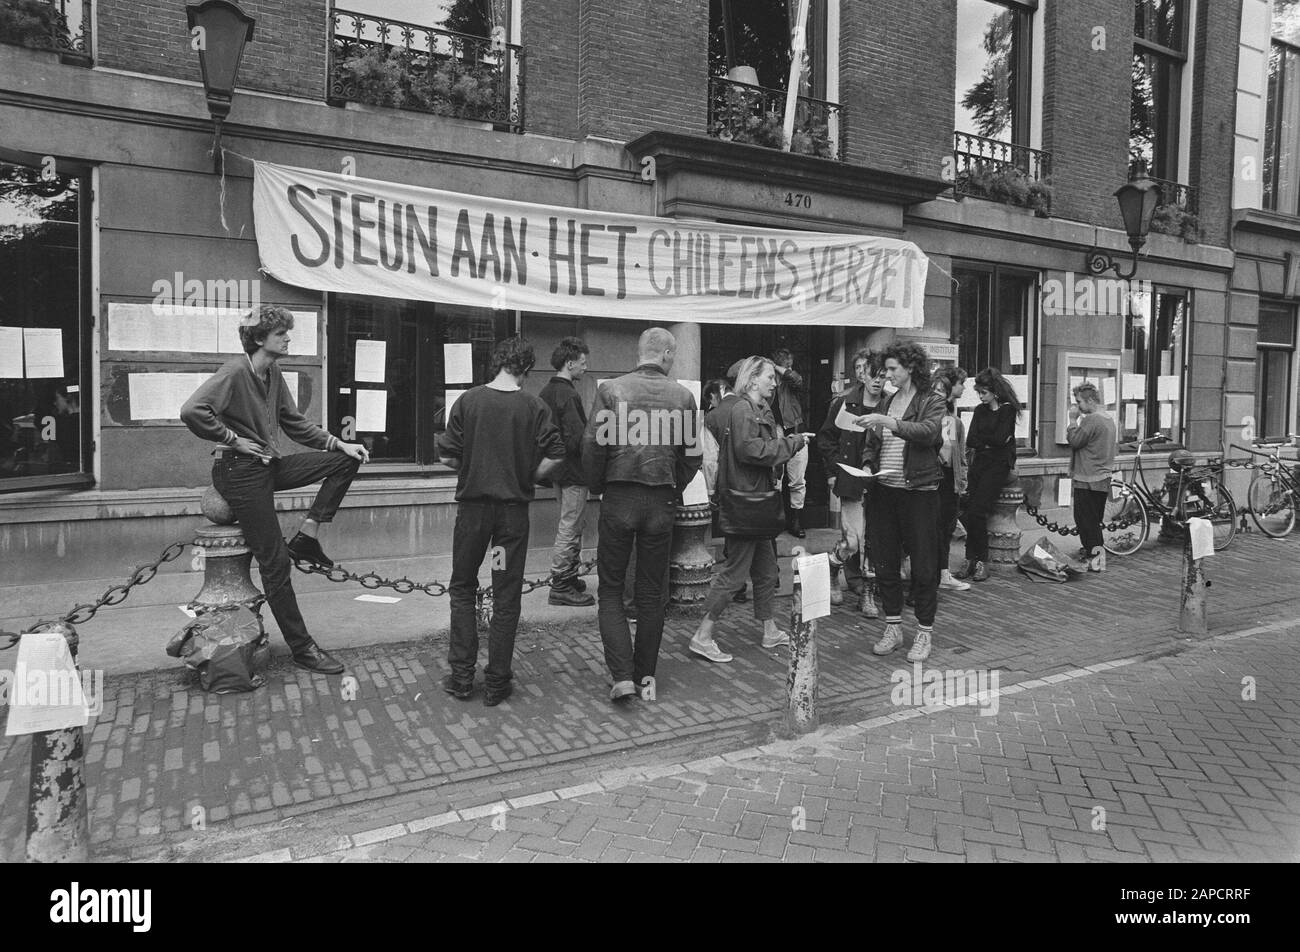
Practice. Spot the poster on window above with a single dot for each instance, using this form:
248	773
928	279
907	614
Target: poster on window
352	235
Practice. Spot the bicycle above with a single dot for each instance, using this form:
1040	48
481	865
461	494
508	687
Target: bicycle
1198	493
1274	489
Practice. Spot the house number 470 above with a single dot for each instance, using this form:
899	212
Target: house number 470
798	200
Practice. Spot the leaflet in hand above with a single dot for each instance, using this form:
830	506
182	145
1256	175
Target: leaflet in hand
863	474
846	421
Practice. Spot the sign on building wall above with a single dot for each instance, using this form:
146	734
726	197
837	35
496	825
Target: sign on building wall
333	232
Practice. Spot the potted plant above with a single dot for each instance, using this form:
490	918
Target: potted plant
35	24
1172	219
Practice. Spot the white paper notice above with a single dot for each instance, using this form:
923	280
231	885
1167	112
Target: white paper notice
458	363
303	334
46	692
1202	533
11	353
1064	491
43	351
1135	386
968	398
1016	345
1167	387
1108	390
1019	383
697	493
844	420
372	411
291	384
694	387
129	327
452	397
190	330
1022	426
1130	416
1166	416
815	580
160	396
370	358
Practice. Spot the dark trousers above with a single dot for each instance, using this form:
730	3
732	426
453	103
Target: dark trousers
501	527
1089	505
898	517
984	481
249	486
634	519
947	515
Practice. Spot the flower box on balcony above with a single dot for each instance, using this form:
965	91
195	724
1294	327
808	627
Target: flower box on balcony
41	25
754	115
1172	219
1008	185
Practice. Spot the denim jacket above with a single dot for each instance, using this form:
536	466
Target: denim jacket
922	429
643	428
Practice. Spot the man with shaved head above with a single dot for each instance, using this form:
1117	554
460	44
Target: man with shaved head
640	450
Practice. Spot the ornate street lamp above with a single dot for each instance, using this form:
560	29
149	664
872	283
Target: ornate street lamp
218	31
1137	203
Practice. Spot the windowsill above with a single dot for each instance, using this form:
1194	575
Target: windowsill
61	481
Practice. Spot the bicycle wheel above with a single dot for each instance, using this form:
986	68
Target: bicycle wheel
1206	498
1272	506
1128	513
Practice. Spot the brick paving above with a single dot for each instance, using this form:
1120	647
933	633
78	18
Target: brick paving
161	751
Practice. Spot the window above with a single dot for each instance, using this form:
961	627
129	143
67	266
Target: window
1277	333
993	324
409	345
757	34
1155	330
44	333
1282	119
1159	54
993	69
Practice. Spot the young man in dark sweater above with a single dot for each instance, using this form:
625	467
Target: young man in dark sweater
500	441
243	406
561	396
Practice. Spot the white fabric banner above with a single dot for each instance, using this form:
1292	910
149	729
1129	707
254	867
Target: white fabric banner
333	232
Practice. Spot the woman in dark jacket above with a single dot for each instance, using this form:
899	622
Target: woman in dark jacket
903	438
991	445
756	447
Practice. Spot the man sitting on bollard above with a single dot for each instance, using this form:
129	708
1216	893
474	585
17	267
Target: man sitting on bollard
241	407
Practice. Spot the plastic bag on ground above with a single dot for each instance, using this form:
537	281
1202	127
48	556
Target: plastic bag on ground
228	648
1043	561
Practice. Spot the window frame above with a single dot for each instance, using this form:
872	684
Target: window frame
1151	427
87	326
1261	374
1273	143
1178	57
1022	130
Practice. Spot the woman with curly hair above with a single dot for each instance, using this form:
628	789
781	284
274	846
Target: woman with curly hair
902	448
991	443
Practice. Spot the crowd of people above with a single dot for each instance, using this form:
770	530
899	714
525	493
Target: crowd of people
905	471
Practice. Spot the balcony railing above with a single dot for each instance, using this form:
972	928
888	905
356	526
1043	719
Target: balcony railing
384	62
1177	212
59	25
739	112
1002	172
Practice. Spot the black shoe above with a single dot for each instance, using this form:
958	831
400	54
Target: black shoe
494	696
794	528
740	597
579	584
568	595
308	550
315	658
461	690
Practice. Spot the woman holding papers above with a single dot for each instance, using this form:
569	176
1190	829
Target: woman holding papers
751	513
901	449
991	443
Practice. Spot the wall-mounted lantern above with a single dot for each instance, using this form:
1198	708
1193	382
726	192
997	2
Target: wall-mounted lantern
218	31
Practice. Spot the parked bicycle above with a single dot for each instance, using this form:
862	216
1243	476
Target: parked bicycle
1190	490
1274	489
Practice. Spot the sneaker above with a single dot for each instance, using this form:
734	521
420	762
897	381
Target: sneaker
782	638
891	639
980	573
622	690
578	583
837	596
920	647
307	549
568	595
648	688
460	690
869	609
947	581
710	650
967	568
494	696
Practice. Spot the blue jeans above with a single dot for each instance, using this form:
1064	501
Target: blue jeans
503	526
636	518
568	533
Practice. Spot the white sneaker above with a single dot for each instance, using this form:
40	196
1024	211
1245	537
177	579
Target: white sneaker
710	650
947	581
920	647
891	639
782	638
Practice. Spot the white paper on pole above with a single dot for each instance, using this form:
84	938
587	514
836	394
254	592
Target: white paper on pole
291	383
1108	390
303	334
844	420
1202	532
815	582
697	493
1016	345
1064	491
1135	386
46	692
1167	387
458	363
1130	416
370	360
372	411
11	353
43	352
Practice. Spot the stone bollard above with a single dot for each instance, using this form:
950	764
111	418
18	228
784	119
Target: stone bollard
58	827
690	563
801	682
226	559
1004	531
1191	615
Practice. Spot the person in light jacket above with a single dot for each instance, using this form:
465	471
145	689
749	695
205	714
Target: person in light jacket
1091	435
952	458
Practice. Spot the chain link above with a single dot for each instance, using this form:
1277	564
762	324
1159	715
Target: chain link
1053	526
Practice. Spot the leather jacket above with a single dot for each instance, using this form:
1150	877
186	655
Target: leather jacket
789	401
844	446
757	448
921	427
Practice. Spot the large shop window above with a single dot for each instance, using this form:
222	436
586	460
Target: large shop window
1152	364
396	365
993	324
44	333
1273	379
993	69
1159	55
1282	119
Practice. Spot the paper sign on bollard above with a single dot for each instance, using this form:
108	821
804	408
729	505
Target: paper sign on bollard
46	693
1202	531
815	582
